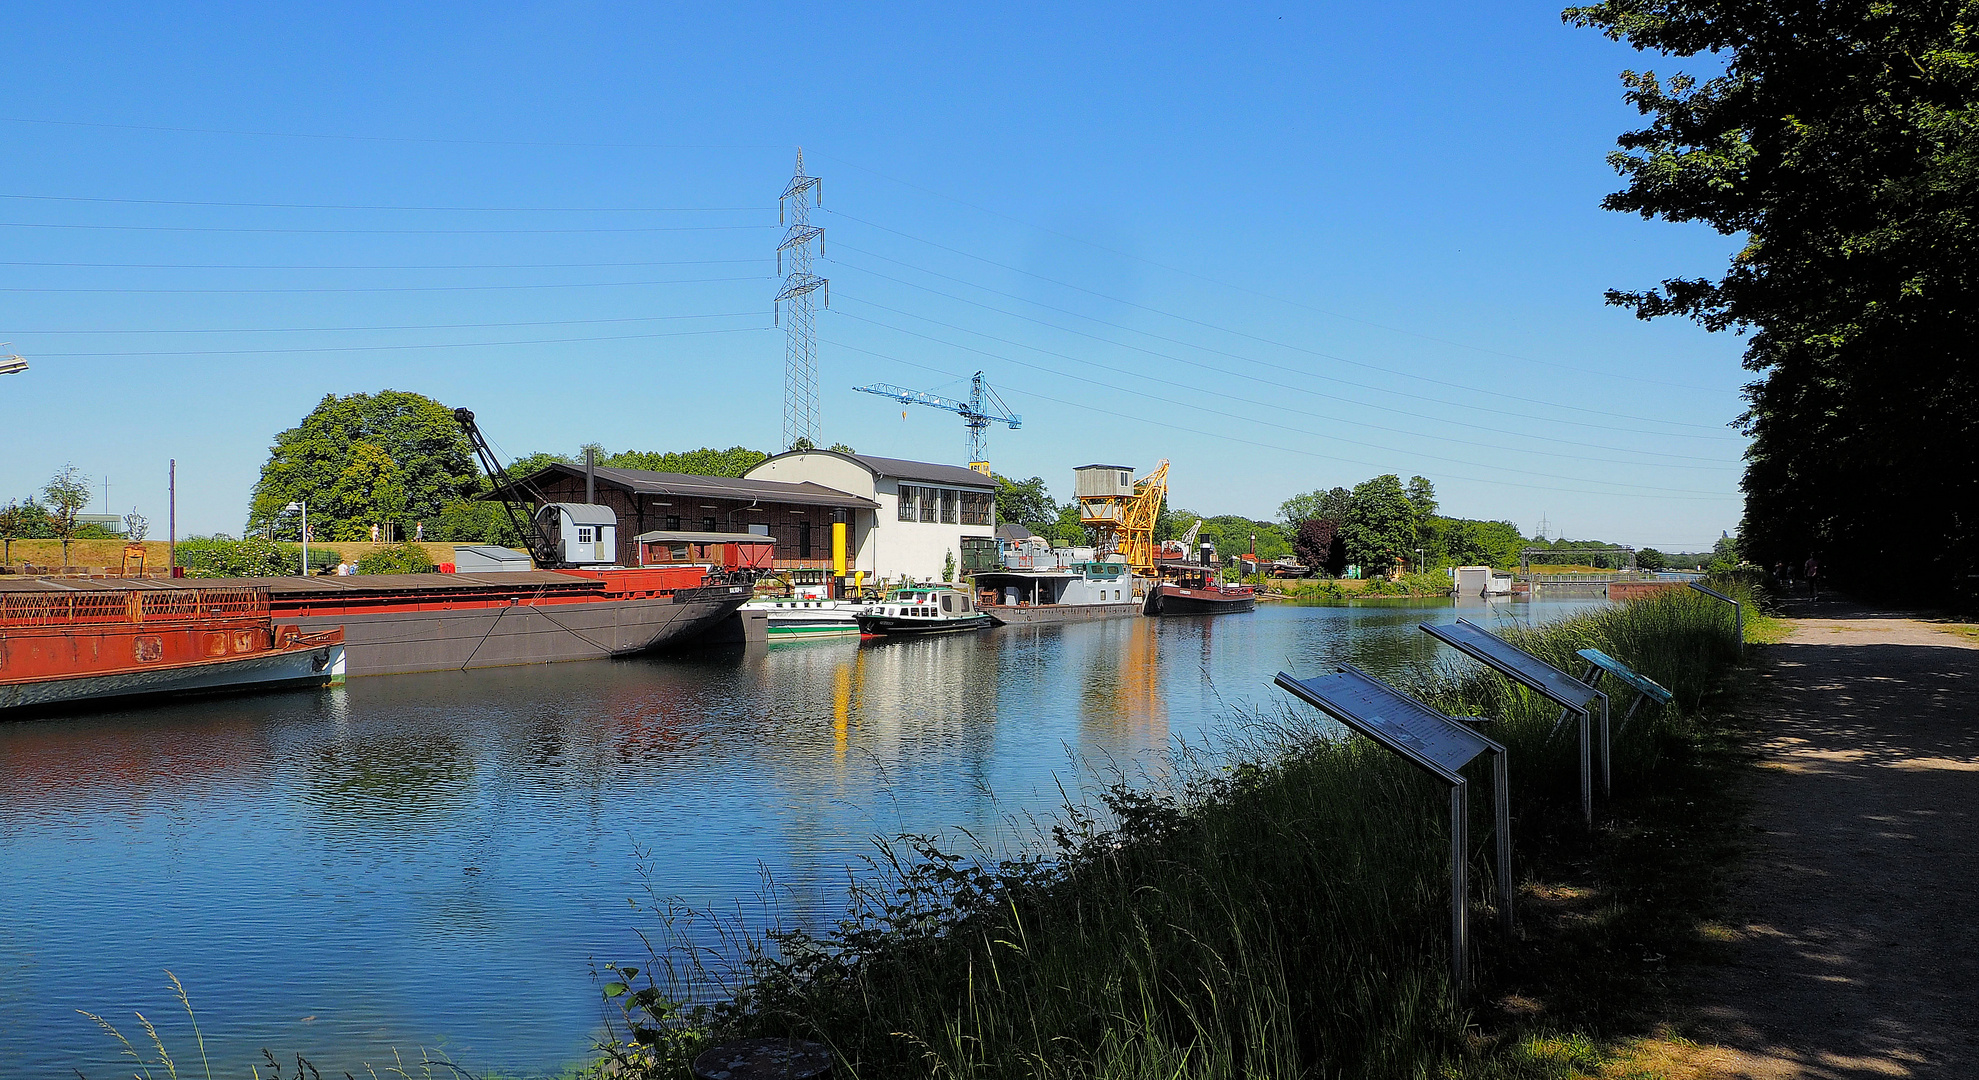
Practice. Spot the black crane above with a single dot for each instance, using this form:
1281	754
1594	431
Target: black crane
542	548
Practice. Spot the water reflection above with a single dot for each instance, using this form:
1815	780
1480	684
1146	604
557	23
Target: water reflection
388	858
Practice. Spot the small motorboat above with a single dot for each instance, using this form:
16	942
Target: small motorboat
923	609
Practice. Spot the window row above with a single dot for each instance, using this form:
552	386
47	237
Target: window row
946	506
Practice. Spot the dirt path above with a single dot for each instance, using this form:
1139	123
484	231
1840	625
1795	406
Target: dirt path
1857	914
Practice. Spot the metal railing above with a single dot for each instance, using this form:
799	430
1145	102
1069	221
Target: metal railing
129	607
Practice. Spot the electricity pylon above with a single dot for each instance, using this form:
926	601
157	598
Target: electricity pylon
800	353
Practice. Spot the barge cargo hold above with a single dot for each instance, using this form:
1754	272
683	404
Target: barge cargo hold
74	648
402	623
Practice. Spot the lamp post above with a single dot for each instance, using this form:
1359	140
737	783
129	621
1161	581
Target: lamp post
304	508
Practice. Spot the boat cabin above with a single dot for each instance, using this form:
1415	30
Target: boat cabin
1072	583
728	551
585	534
926	602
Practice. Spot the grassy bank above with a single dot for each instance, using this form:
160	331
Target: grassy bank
1280	916
1337	590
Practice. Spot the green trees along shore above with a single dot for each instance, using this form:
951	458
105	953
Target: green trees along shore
1838	142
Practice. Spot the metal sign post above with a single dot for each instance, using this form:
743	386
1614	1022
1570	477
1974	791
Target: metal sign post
1548	681
1600	663
1441	747
1738	613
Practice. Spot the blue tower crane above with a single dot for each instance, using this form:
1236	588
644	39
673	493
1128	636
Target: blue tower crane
975	415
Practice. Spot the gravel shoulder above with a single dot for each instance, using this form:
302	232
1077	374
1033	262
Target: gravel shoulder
1854	945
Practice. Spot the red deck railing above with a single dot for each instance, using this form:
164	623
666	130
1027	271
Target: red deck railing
131	607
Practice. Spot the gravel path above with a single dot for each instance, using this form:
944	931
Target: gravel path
1856	950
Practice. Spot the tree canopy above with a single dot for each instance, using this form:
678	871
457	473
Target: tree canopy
1027	503
1380	527
1839	141
387	457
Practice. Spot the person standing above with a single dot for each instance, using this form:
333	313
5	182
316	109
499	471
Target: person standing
374	532
1812	571
419	532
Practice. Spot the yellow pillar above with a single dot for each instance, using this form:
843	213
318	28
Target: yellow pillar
838	548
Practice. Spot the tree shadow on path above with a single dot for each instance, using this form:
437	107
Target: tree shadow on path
1856	948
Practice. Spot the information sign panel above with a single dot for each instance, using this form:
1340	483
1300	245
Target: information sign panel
1441	747
1646	689
1543	678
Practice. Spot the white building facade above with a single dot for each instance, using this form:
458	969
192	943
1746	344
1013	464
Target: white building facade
926	511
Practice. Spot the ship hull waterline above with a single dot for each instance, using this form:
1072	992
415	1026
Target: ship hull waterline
390	642
1176	600
286	669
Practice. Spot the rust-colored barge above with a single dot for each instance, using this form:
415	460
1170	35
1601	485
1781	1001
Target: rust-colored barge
400	623
70	647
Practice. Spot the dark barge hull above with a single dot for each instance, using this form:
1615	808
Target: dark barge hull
894	625
398	643
1174	600
400	623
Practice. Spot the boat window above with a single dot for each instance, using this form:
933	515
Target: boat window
583	534
948	603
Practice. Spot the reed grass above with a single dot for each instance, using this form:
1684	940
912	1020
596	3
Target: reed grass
1275	911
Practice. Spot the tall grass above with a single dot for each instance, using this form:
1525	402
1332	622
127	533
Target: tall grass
1279	912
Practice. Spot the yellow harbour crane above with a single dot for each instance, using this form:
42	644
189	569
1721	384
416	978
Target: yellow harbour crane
1122	509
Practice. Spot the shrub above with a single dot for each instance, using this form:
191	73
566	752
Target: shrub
404	557
222	556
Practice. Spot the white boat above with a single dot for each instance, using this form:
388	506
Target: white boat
801	618
923	609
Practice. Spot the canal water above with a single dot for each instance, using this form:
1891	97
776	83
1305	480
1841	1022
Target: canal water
434	862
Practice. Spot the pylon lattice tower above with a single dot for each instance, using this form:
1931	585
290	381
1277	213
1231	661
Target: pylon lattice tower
800	353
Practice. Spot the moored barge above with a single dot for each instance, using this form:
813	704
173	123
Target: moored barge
402	623
77	647
1195	591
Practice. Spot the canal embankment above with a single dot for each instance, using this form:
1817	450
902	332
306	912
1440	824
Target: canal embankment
1275	909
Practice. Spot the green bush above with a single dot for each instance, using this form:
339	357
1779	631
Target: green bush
401	558
223	557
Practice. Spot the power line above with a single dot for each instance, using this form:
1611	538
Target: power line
1169	425
1256	292
1247	359
406	288
1268	341
399	348
424	326
1197	406
417	209
385	138
383	232
1233	396
391	266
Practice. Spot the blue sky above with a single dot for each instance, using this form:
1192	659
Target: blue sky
1285	247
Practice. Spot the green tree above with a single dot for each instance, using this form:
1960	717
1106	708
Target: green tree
1422	508
337	461
1380	524
1651	559
370	490
1025	502
1838	142
67	493
1070	531
707	461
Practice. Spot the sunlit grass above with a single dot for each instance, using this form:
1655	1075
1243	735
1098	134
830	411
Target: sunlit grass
1277	910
